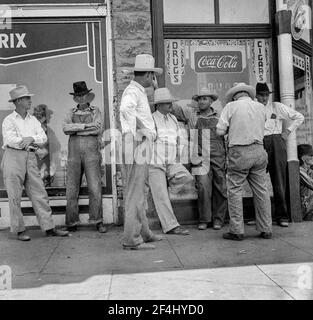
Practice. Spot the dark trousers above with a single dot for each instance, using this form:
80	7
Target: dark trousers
83	157
212	191
275	147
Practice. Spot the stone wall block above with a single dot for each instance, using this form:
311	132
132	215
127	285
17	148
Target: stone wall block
131	5
132	25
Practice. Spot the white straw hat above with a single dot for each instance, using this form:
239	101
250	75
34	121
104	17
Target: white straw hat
163	95
205	92
145	62
239	87
19	92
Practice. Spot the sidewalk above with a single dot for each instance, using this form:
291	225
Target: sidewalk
89	265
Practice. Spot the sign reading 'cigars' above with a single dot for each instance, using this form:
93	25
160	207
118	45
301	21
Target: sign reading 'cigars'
218	61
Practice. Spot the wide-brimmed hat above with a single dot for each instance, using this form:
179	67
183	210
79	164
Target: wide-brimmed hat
145	63
262	88
163	95
239	87
19	92
305	150
80	89
205	92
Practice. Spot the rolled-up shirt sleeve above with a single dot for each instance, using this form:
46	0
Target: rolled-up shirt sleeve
10	134
223	122
40	137
290	114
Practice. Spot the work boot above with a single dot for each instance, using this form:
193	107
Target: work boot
266	235
142	246
22	236
202	226
233	236
56	233
283	223
217	226
101	227
154	238
71	228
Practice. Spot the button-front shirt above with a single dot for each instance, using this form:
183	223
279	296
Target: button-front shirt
276	112
245	119
135	113
15	128
75	120
164	147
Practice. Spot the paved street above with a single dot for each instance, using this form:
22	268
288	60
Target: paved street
200	266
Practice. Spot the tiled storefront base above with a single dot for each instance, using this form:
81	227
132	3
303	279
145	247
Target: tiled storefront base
58	207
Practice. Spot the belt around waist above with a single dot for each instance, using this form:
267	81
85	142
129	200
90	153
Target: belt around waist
247	145
29	150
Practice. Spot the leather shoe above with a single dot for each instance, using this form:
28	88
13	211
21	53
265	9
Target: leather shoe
155	238
251	223
202	226
266	235
71	228
179	231
101	227
217	226
22	236
142	246
56	233
283	224
233	236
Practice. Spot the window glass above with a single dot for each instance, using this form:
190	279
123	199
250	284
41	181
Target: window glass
188	11
303	95
244	11
48	66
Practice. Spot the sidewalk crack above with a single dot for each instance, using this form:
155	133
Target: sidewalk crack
49	258
181	263
279	286
110	285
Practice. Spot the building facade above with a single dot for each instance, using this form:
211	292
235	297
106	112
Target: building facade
48	45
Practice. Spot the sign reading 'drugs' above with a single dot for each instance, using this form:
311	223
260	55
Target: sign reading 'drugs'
218	61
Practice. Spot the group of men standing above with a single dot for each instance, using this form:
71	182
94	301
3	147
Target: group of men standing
248	134
255	143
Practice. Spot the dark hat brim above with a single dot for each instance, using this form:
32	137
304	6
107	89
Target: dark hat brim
81	93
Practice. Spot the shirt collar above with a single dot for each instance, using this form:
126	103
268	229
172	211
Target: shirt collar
161	115
207	113
89	108
28	115
244	98
138	85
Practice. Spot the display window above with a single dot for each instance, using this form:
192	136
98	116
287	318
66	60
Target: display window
48	57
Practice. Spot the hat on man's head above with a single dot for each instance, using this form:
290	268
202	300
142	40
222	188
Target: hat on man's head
240	87
262	88
305	150
145	63
205	92
19	92
162	95
80	89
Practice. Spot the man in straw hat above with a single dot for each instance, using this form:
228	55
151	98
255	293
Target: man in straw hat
84	126
305	155
164	164
212	190
243	119
22	134
275	146
138	134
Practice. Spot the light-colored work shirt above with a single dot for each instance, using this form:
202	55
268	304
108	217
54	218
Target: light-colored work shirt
135	113
276	112
245	121
75	120
15	128
165	145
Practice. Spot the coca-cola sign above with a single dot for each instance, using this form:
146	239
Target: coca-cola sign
218	61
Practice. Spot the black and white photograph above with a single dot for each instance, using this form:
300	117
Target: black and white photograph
156	151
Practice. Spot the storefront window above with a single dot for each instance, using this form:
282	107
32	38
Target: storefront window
48	58
303	95
189	11
244	11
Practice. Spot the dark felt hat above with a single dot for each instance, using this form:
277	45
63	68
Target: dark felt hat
305	150
80	88
262	88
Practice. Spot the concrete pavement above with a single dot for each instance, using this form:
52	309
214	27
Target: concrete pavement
89	265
